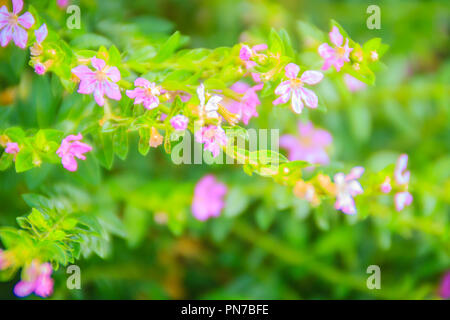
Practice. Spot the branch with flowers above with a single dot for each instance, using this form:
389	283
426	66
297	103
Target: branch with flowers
158	90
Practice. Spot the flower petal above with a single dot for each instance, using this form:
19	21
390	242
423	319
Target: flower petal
113	73
20	37
17	6
325	51
141	82
83	72
201	94
24	288
292	70
41	33
6	35
283	88
296	103
112	90
309	97
402	199
335	36
311	77
26	20
98	64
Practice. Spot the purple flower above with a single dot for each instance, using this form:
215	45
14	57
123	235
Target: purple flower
246	107
208	198
213	137
347	187
353	84
100	82
72	148
335	56
41	33
401	176
294	88
37	279
10	25
12	148
146	93
310	145
179	122
444	290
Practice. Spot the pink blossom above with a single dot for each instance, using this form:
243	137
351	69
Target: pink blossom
444	290
310	145
208	198
401	176
72	148
10	25
100	82
179	122
41	33
213	137
347	187
294	88
335	56
62	3
146	93
40	68
246	53
353	84
386	185
12	148
37	279
246	107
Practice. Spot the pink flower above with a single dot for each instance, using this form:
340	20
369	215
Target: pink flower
246	53
294	88
246	107
39	68
335	56
146	93
208	198
444	290
10	25
37	279
309	146
72	148
353	84
213	137
347	187
386	185
62	3
100	82
401	176
12	148
179	122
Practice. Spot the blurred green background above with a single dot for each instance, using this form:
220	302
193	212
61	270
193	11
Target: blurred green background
267	244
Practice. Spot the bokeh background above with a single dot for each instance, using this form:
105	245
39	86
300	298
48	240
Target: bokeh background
267	244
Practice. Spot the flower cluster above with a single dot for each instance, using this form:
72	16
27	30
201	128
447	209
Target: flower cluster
347	187
37	279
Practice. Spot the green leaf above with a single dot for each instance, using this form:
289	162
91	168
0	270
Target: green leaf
144	146
121	142
168	48
25	160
